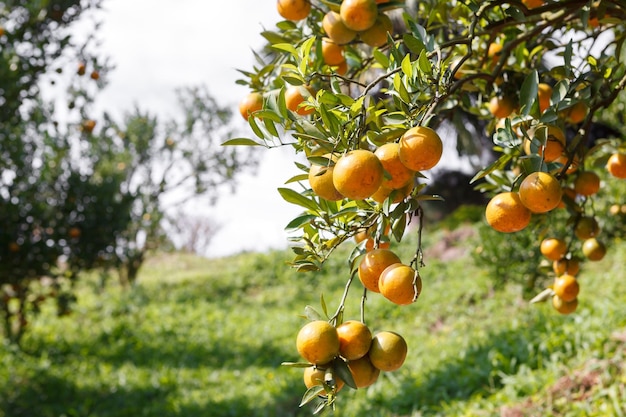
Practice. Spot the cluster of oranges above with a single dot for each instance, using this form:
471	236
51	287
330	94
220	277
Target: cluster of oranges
347	354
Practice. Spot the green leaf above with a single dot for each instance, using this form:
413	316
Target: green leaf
299	221
310	395
343	372
407	67
497	164
312	314
415	45
528	92
242	142
294	197
424	63
286	47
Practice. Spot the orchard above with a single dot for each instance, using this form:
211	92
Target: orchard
372	95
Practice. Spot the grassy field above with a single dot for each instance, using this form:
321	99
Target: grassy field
202	337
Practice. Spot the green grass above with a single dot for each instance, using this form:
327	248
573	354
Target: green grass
202	337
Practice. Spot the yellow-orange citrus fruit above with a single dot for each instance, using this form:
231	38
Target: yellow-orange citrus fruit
396	195
377	34
568	194
587	183
566	266
389	156
363	372
552	141
388	351
540	192
314	376
501	107
420	148
294	96
553	248
293	9
358	15
358	174
367	235
544	93
566	287
373	264
318	342
493	52
616	165
355	339
81	68
332	52
572	167
577	113
586	227
564	307
593	249
341	68
321	180
337	30
506	213
250	103
531	4
400	284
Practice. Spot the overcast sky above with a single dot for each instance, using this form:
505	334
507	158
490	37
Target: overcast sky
159	45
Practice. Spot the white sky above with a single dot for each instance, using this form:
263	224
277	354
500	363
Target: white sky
159	45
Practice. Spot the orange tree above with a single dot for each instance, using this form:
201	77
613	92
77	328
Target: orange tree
339	80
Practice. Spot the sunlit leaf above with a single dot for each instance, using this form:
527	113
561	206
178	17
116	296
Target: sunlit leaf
242	142
294	197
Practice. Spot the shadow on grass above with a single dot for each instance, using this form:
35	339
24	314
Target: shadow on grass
47	395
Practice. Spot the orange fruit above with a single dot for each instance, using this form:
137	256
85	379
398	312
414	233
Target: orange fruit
293	9
616	165
388	351
566	287
420	148
544	93
553	248
389	156
567	193
355	339
593	249
506	213
81	68
332	52
564	307
337	30
88	125
341	68
74	232
373	264
294	96
566	266
363	372
315	376
358	174
400	284
573	166
531	4
586	227
493	52
540	192
397	195
367	235
377	34
552	142
321	180
318	342
95	75
587	183
501	107
577	113
250	103
358	15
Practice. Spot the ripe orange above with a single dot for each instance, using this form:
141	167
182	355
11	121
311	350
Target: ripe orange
564	307
587	183
540	192
332	52
321	180
358	15
552	140
367	235
553	248
294	96
501	107
397	195
388	351
544	94
355	339
337	30
373	264
616	165
95	75
586	227
573	166
250	103
293	9
420	148
593	249
400	284
318	342
74	232
363	372
377	34
389	156
315	376
577	113
566	266
88	125
493	52
566	287
506	213
358	174
531	4
81	68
